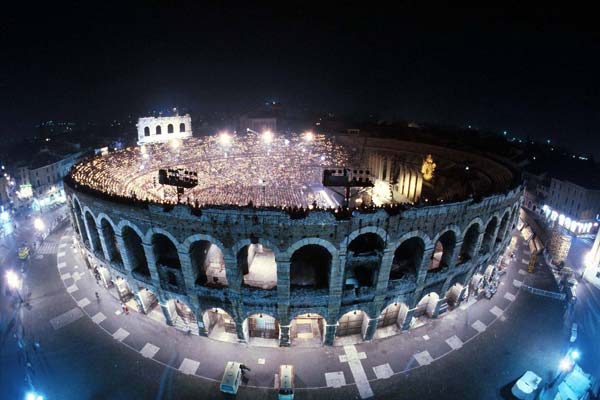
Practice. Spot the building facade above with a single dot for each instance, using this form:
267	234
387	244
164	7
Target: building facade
160	129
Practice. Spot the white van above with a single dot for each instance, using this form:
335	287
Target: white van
232	377
286	382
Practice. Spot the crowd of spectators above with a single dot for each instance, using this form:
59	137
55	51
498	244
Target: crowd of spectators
280	172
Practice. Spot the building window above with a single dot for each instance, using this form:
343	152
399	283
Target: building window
147	131
170	128
158	130
182	127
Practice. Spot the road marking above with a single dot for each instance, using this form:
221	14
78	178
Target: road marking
64	237
261	361
335	379
496	311
383	371
61	265
352	357
423	358
120	334
522	272
98	318
479	326
61	254
65	276
62	245
83	302
502	318
509	296
454	342
72	288
426	337
66	318
76	276
149	350
524	261
189	367
517	283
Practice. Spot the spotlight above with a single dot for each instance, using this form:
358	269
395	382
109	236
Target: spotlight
225	138
309	136
267	136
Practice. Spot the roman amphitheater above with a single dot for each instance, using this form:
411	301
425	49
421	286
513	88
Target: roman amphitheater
259	251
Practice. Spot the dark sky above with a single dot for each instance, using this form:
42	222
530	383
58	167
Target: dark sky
529	72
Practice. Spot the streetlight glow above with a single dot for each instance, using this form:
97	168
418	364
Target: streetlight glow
12	279
309	136
565	364
225	138
267	136
38	224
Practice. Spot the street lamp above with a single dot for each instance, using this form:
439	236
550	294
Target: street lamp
14	282
38	224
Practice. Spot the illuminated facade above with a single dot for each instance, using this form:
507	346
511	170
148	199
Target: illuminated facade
256	274
160	129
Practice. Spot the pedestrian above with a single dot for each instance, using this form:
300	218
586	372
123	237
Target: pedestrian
97	297
126	309
123	306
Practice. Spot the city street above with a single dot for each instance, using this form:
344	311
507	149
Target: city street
476	351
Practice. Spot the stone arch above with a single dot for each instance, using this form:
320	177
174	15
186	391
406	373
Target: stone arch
208	264
110	239
181	127
77	211
353	322
312	240
393	313
165	250
170	128
134	249
256	262
219	323
489	235
310	267
158	130
90	221
444	249
470	240
428	304
365	229
408	255
363	259
261	325
307	328
504	224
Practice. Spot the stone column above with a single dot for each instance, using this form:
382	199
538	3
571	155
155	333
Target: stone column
336	282
384	271
283	291
371	328
422	269
124	254
103	243
88	231
152	265
139	302
407	319
329	336
186	269
165	310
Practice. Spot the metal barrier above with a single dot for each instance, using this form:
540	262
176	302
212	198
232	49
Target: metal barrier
545	293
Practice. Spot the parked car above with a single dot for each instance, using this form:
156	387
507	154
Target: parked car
573	332
526	387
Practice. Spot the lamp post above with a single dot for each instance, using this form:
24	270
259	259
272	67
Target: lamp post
14	282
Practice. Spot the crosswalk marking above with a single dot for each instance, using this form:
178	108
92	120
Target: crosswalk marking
423	358
454	342
496	311
98	318
61	254
335	379
61	265
189	367
509	296
353	357
120	334
83	302
72	288
479	326
149	350
517	283
383	371
47	248
66	318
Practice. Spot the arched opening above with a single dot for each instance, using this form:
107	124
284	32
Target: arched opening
407	259
443	252
455	294
467	251
147	131
352	323
219	325
427	305
488	236
135	252
309	267
165	252
502	231
363	260
158	130
170	128
208	264
95	238
307	330
150	304
110	240
168	264
182	316
124	292
391	320
182	127
258	265
262	329
81	226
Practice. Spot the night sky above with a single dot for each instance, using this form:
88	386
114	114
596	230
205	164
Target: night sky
534	75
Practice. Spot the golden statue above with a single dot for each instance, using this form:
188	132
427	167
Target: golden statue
428	167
